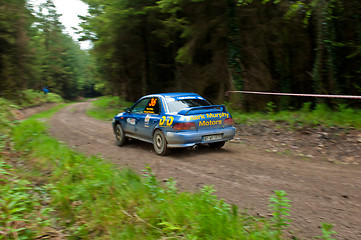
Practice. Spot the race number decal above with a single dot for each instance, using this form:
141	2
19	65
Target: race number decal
153	101
166	121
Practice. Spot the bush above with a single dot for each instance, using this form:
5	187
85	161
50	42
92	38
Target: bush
30	98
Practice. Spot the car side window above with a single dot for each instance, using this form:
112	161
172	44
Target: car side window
153	106
140	106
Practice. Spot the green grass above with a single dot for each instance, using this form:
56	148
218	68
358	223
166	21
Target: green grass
23	214
8	109
320	115
24	210
105	108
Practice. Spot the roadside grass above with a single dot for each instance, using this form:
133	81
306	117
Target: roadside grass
307	116
106	107
22	212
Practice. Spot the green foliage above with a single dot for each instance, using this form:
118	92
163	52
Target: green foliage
54	98
21	214
7	119
271	108
9	111
343	116
30	98
35	53
244	2
327	232
105	108
183	55
280	207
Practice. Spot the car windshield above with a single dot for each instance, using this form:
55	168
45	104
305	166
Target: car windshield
178	105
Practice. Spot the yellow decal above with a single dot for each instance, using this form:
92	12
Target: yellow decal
163	121
197	117
170	121
217	115
209	123
209	115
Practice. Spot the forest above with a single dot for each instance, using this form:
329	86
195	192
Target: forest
36	54
207	47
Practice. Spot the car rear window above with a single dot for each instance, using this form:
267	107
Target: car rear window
178	105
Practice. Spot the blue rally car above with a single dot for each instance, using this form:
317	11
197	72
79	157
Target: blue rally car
174	120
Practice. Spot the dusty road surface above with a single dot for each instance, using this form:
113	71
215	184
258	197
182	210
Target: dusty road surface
320	191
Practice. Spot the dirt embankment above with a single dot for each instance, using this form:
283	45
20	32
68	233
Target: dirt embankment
309	169
21	114
335	144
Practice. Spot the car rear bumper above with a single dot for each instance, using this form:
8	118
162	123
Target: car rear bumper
191	138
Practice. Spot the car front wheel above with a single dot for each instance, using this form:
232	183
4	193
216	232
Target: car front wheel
216	144
119	135
160	143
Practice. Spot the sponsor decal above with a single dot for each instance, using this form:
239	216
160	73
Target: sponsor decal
209	123
208	115
170	134
146	121
131	121
189	97
149	110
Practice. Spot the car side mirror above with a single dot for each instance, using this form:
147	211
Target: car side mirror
127	110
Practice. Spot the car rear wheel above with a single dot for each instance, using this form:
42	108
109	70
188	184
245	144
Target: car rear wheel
160	143
119	135
216	144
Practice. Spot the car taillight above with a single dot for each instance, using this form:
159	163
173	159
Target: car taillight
228	122
184	126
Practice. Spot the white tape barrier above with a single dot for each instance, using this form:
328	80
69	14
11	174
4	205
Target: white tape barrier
296	94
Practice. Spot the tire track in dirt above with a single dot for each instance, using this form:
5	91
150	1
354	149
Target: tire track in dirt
320	191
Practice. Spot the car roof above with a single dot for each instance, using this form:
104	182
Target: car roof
175	94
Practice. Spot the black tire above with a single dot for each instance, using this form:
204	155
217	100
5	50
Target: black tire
216	144
119	135
160	143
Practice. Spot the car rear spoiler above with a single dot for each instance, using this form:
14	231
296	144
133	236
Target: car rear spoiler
186	111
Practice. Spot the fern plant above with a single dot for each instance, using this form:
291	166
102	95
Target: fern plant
280	211
327	232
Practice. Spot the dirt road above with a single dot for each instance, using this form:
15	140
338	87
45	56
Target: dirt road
320	191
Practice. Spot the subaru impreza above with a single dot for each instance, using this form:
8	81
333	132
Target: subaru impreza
174	120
